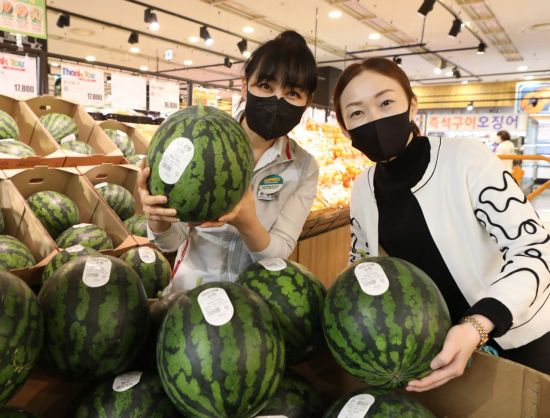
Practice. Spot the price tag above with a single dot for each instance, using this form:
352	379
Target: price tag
164	96
97	271
357	407
83	85
372	278
175	160
100	185
147	255
273	264
74	249
80	226
19	76
216	306
126	381
69	138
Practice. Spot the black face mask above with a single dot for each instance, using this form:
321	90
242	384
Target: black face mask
383	138
270	117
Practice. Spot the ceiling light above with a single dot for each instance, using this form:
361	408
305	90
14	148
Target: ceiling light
449	73
54	64
470	106
426	7
374	36
529	77
90	58
133	38
194	39
188	62
465	81
437	70
466	24
335	14
247	54
205	35
144	68
455	28
209	42
398	60
248	29
523	68
227	62
482	47
135	49
456	72
150	18
242	45
64	21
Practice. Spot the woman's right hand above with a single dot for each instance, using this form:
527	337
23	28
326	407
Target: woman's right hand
158	217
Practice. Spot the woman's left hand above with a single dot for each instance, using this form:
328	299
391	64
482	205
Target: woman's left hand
241	214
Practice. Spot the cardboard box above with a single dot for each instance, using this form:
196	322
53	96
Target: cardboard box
88	131
92	208
141	143
21	223
123	175
32	133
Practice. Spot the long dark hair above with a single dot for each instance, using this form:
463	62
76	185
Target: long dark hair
378	65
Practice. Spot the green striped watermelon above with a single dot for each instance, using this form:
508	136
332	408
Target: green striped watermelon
64	257
56	211
78	146
15	413
135	159
296	299
14	254
378	404
122	141
201	159
228	366
96	318
15	148
119	399
21	334
295	398
137	225
86	235
8	126
152	268
59	125
118	198
385	321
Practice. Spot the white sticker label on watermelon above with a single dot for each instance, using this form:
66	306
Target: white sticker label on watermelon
75	249
80	226
147	255
68	138
372	279
126	381
97	271
273	264
100	185
175	160
7	140
357	407
216	306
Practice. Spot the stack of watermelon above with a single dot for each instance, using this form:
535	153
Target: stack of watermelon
79	147
118	198
86	235
122	141
8	126
14	254
137	225
56	211
151	266
65	131
64	256
14	148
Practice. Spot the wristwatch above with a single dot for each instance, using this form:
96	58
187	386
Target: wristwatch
483	334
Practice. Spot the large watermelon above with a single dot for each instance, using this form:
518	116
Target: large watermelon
15	148
78	146
118	198
15	413
228	366
137	225
372	403
151	266
132	395
296	299
385	321
96	316
86	235
59	126
8	126
201	159
295	398
56	211
21	334
64	257
122	141
135	159
14	254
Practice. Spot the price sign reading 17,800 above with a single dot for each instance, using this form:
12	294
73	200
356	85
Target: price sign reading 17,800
24	88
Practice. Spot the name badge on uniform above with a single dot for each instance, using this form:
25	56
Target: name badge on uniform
270	187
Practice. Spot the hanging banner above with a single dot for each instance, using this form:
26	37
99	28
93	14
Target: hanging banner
164	96
533	97
83	85
27	17
480	122
18	75
128	92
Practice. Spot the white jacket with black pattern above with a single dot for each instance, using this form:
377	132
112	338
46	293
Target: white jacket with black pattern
488	234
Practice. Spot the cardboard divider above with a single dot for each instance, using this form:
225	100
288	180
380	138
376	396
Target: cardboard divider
21	223
92	208
88	131
32	133
141	143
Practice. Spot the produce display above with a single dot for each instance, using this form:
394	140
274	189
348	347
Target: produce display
8	126
78	146
118	198
14	148
137	225
60	126
56	211
122	141
14	254
135	159
86	235
63	257
152	268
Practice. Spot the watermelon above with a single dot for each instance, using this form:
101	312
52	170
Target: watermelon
135	159
8	126
201	160
295	398
15	413
64	257
137	225
122	141
21	334
56	211
385	321
14	254
296	299
59	126
96	318
113	399
2	225
78	146
14	148
228	366
118	198
378	404
86	235
152	268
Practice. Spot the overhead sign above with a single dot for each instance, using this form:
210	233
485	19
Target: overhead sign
164	96
128	92
19	76
27	17
83	85
480	122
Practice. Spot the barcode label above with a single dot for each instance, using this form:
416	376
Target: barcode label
97	271
273	264
216	306
147	255
126	381
372	278
175	160
357	407
74	249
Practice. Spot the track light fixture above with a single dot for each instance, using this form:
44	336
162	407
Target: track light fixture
398	60
481	48
470	106
456	27
243	46
133	38
150	18
227	62
205	35
456	72
64	21
426	7
534	101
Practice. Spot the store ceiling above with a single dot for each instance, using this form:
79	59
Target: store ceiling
505	27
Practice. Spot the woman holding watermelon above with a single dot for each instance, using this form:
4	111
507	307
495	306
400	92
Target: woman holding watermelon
279	81
449	207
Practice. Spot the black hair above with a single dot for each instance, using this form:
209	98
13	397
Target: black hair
504	135
288	59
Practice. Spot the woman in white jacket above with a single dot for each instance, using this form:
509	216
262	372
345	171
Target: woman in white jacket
449	207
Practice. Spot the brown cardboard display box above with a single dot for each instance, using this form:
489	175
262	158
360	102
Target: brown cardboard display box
93	209
88	131
141	143
21	223
32	133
